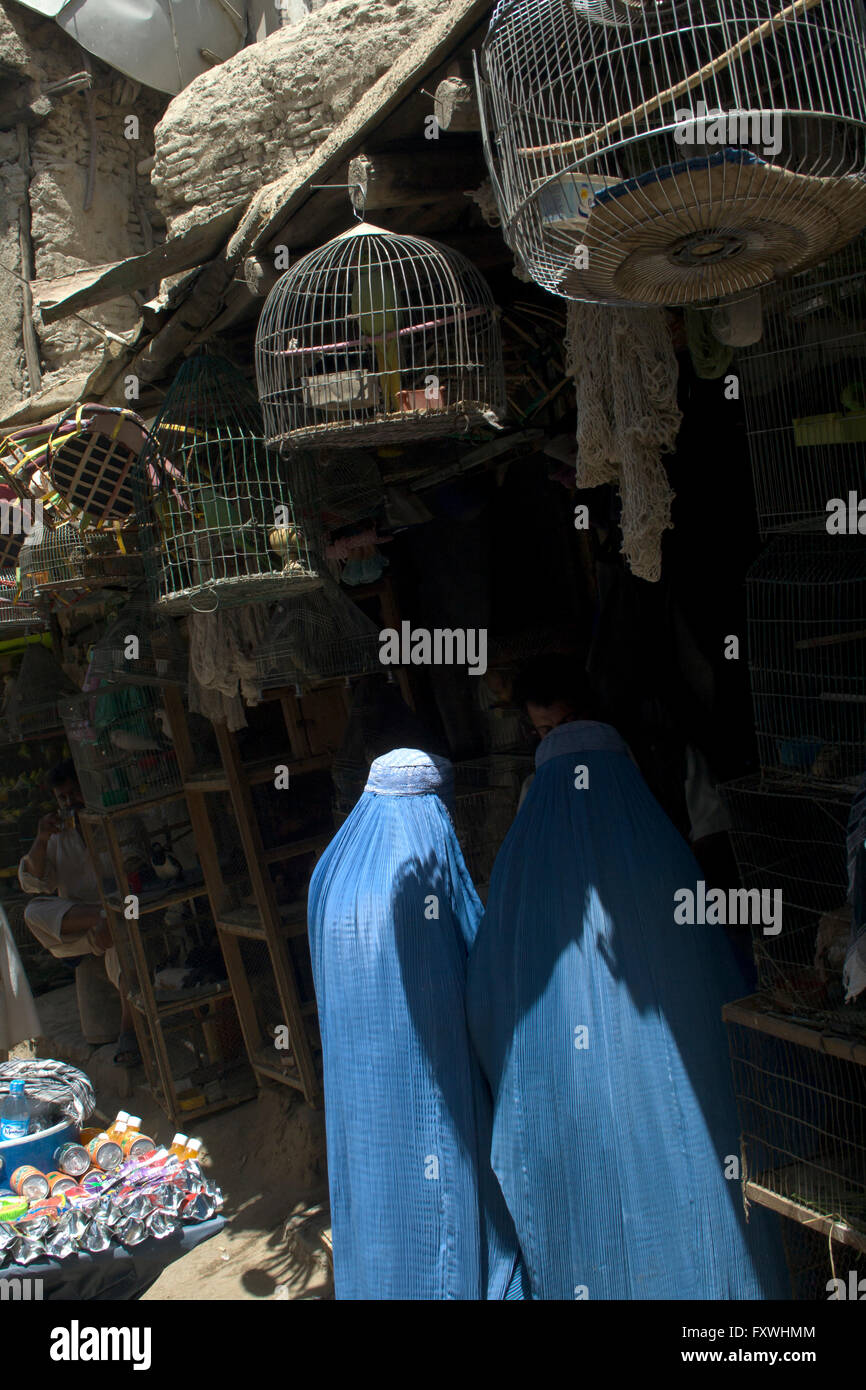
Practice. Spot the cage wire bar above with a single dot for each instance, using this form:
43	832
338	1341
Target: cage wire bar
34	696
378	336
319	636
802	1109
806	614
140	647
119	743
612	184
791	839
221	526
18	618
803	392
70	559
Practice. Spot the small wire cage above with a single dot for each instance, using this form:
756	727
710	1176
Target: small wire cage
486	793
219	522
677	151
806	606
802	1107
66	561
802	388
18	619
119	740
321	636
140	647
34	696
375	337
790	840
815	1263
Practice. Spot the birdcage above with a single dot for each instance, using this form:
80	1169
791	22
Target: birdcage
34	695
806	606
676	151
219	523
320	636
802	387
486	793
120	743
789	842
802	1108
70	559
816	1263
90	459
140	647
375	337
16	617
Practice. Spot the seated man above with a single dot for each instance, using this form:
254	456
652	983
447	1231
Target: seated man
67	917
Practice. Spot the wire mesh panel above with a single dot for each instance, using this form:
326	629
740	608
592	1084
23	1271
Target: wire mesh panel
222	526
120	746
91	456
803	1121
674	152
317	637
140	647
378	336
816	1263
34	695
17	617
71	558
791	840
806	604
486	793
802	388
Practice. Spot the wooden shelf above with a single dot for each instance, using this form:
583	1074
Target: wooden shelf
754	1012
293	848
130	808
256	773
247	921
805	1216
168	899
165	1008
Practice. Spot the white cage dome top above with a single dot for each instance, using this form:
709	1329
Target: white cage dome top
377	336
673	152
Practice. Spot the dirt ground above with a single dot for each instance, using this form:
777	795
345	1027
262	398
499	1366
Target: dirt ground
267	1155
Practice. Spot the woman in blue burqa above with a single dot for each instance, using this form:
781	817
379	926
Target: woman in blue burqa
597	1018
416	1210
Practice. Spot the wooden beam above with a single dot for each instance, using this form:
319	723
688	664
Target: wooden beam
411	178
455	106
31	113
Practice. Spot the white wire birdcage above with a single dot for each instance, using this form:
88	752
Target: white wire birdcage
674	151
69	559
803	391
18	618
119	740
320	636
219	520
806	608
140	647
378	336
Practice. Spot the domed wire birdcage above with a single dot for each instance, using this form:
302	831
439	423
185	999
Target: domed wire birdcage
67	559
18	618
140	647
119	738
674	151
378	336
321	636
216	511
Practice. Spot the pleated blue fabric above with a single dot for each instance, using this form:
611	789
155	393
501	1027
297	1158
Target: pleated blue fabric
416	1210
597	1020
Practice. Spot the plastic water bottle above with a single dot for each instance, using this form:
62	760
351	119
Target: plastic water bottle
14	1113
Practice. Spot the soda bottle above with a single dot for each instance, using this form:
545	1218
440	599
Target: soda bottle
133	1123
178	1145
14	1113
122	1118
192	1150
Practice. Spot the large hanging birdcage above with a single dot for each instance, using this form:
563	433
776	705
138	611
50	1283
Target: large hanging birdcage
674	151
803	390
374	337
119	738
140	647
66	560
806	605
320	636
33	696
222	526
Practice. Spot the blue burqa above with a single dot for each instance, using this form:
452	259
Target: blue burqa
597	1019
416	1210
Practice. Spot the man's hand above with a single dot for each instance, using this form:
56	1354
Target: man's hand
49	825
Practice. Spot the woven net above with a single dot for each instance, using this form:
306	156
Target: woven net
625	372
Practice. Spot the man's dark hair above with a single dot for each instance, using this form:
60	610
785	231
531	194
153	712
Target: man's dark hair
63	772
549	679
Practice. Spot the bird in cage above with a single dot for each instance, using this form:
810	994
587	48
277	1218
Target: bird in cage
374	304
164	863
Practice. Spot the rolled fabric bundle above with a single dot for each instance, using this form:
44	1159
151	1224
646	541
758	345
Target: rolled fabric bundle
54	1084
597	1019
416	1211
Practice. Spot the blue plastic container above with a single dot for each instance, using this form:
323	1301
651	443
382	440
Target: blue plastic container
37	1149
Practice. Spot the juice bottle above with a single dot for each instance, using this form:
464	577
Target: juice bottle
178	1145
122	1118
192	1150
134	1123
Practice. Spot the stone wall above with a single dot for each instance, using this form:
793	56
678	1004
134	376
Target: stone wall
267	108
77	155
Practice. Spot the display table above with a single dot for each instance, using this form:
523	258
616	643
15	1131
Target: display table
116	1273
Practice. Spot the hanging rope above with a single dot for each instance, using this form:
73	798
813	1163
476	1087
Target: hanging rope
625	371
55	1083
